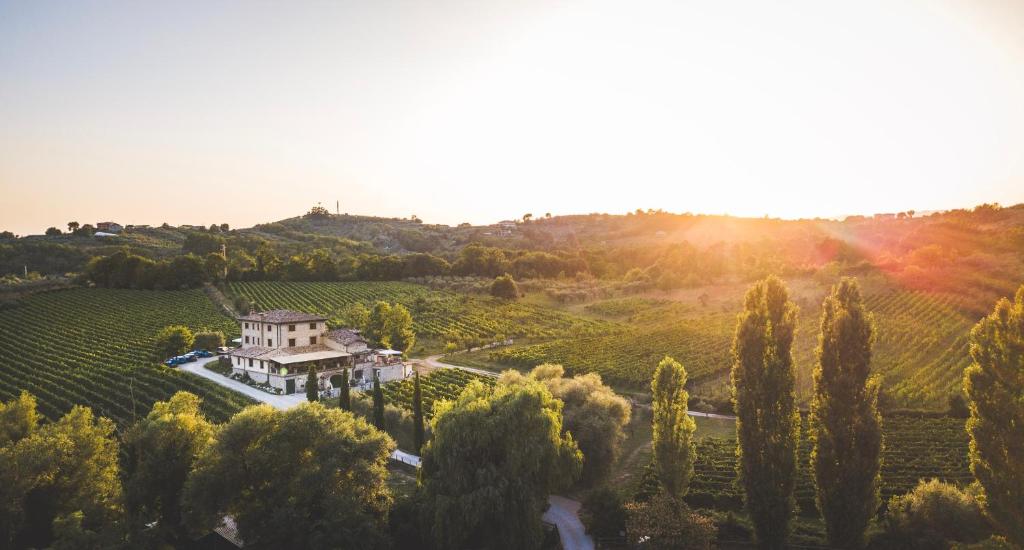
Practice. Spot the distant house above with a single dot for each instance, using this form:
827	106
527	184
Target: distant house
109	227
279	346
506	227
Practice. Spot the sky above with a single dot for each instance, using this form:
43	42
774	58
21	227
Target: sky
249	112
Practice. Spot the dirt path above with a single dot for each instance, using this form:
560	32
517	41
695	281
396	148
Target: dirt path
434	361
565	514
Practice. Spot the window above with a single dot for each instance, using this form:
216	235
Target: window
312	326
269	328
246	339
312	340
291	328
270	342
247	325
250	362
291	342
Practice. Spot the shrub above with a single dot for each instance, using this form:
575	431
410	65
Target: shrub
663	522
209	340
505	287
604	513
934	513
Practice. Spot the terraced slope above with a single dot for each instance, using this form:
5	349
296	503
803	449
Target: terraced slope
91	347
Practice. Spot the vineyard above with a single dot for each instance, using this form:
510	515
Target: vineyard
920	351
436	314
915	448
91	347
440	384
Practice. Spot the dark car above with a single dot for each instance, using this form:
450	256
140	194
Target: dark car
202	353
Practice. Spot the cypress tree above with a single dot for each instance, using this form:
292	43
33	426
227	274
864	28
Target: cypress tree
994	384
344	399
768	423
673	429
312	393
846	430
417	415
378	403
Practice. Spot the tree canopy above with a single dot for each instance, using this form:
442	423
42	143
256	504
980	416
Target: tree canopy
496	455
674	449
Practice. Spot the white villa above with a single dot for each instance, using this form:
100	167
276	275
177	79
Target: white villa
279	346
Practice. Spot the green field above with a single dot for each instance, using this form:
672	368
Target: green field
438	385
921	346
92	347
436	314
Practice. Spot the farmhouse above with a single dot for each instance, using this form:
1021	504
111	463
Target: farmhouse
109	227
279	346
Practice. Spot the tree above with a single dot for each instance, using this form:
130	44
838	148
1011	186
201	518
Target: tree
496	455
208	340
378	403
18	419
505	287
399	329
417	415
173	340
73	227
674	449
355	316
308	477
53	231
160	452
527	218
933	514
846	429
318	212
768	423
592	412
312	393
344	398
377	325
60	482
216	266
994	384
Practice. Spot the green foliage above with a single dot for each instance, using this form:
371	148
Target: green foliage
124	270
61	481
160	452
208	340
505	287
768	423
344	394
496	455
844	425
672	428
604	513
932	515
417	416
592	413
171	341
994	385
312	392
378	404
92	347
18	419
668	524
399	328
312	478
377	327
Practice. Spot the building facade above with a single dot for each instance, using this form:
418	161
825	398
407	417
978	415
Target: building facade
279	346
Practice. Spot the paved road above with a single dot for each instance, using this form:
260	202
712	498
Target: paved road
565	514
277	401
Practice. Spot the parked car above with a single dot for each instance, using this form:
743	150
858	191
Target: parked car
202	353
190	356
175	361
223	350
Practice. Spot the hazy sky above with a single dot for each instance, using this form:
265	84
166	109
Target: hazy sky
246	112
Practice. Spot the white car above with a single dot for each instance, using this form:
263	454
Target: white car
223	350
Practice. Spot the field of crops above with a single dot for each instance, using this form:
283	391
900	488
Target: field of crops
438	385
915	448
436	314
91	347
921	345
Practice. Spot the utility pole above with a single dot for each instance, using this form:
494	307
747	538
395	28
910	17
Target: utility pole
337	208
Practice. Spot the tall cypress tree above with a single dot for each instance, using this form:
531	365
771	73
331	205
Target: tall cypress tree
768	423
673	429
344	398
846	430
312	393
417	415
994	384
378	403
